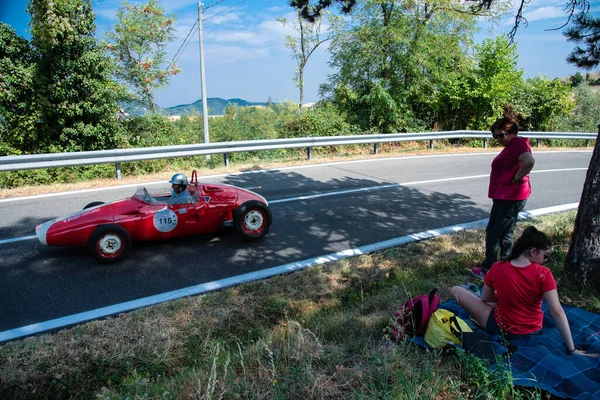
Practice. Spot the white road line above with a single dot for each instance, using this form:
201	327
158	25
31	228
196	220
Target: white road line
253	276
18	239
343	192
262	171
367	189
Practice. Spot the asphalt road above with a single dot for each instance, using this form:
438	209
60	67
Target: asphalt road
317	209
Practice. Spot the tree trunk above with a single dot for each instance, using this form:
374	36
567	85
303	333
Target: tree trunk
301	87
583	258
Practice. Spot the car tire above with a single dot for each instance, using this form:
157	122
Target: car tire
93	204
252	220
109	243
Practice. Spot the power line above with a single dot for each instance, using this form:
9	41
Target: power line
213	4
184	42
227	9
194	29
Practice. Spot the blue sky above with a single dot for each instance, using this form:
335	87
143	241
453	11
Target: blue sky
245	56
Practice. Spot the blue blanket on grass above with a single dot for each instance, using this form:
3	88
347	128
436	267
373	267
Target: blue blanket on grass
540	360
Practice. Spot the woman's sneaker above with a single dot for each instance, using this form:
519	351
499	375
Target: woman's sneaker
473	288
478	272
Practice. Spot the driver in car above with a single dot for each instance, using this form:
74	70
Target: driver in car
179	191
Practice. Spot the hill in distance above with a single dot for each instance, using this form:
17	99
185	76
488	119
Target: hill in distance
216	106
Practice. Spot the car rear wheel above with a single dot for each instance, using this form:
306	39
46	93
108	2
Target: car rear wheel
93	204
252	220
109	243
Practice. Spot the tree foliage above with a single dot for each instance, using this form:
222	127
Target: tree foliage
302	46
138	45
542	104
74	93
576	79
392	60
586	112
493	82
585	28
17	115
585	33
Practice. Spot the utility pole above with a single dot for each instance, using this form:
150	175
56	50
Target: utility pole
203	77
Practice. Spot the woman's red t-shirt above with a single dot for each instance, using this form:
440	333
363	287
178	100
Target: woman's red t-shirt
504	168
520	291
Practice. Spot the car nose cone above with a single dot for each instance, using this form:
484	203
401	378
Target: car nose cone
42	230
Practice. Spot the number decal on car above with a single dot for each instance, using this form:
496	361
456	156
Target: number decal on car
165	220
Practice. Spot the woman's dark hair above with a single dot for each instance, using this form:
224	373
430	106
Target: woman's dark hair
530	238
502	122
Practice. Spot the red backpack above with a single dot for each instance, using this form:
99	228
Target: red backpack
412	317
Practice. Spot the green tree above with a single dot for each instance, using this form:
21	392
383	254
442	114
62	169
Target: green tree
302	46
17	114
138	45
586	113
585	33
576	79
585	29
76	98
496	80
244	123
542	104
394	58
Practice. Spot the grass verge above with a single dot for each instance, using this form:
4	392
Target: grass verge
315	334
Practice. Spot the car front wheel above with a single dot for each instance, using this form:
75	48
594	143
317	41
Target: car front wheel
109	243
252	220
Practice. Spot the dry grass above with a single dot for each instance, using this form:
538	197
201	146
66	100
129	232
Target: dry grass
315	334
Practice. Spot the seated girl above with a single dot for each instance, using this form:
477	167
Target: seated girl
513	290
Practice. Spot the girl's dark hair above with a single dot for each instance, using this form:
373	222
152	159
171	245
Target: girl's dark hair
530	238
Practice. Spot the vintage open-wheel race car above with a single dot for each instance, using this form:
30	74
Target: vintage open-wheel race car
108	229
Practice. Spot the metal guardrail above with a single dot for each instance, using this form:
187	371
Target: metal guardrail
118	156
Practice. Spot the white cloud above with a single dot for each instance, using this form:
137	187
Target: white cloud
223	18
108	13
275	30
277	9
544	37
233	54
544	13
238	36
539	3
539	14
222	15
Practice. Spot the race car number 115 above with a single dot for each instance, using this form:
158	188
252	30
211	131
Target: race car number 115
165	220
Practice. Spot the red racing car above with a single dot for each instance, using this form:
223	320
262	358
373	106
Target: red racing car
108	229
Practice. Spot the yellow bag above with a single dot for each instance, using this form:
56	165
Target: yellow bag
444	327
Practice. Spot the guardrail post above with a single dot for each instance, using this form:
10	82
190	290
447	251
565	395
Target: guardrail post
226	159
376	148
309	153
587	142
431	145
538	142
485	143
118	170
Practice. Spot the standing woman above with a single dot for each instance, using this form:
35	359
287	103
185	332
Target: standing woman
509	190
517	285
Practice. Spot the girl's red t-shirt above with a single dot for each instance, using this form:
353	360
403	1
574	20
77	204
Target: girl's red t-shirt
520	291
504	168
